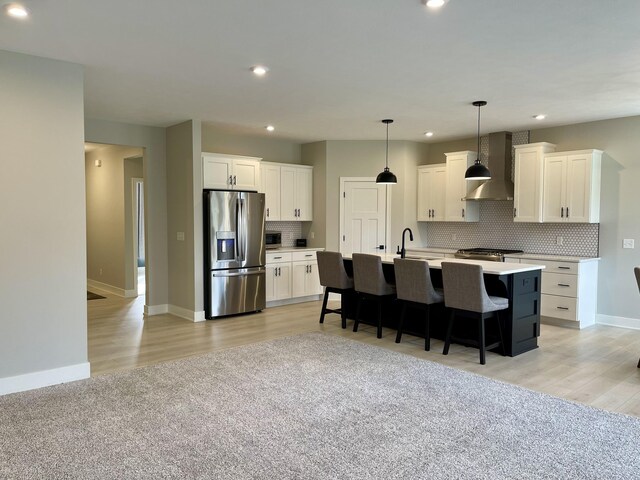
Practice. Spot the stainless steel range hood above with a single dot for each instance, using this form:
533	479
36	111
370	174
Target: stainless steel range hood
500	187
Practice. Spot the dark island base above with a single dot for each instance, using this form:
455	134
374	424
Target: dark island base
520	323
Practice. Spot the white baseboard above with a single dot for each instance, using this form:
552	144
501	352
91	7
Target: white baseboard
290	301
105	287
186	313
151	310
44	378
614	321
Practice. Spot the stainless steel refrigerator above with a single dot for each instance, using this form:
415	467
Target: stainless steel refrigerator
234	252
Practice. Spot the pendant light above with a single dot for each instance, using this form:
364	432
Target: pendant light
386	177
478	171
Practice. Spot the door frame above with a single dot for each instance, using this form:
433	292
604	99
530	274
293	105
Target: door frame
134	220
387	217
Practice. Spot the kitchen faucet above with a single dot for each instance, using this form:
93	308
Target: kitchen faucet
403	252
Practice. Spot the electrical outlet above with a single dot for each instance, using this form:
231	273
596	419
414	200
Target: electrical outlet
559	240
180	236
628	243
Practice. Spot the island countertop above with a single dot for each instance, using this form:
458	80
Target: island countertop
493	268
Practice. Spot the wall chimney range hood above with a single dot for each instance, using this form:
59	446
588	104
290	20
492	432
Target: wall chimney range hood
500	187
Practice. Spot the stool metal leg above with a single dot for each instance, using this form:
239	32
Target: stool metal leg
427	334
401	324
324	304
481	342
502	346
357	322
379	334
447	340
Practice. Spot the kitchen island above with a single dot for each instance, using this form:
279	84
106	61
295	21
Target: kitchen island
519	282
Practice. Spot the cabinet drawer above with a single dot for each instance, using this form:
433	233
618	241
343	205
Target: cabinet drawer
554	267
560	284
278	257
559	307
306	255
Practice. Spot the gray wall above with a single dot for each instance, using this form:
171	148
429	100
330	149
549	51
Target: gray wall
152	140
619	201
109	229
354	158
43	256
219	139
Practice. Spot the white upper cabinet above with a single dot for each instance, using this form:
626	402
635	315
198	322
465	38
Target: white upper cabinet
528	180
288	191
431	192
230	172
572	187
296	192
457	187
271	187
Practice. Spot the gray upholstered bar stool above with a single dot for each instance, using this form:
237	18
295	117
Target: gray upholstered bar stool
370	284
334	279
415	290
465	294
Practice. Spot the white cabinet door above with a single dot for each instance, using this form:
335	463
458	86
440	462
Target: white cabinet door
304	193
283	281
423	208
577	204
270	282
216	172
288	209
231	172
555	179
457	187
271	187
246	174
306	280
528	179
438	190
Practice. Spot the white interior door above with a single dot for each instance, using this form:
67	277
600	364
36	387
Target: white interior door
364	216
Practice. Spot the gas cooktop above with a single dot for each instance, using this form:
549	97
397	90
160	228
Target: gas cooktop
491	254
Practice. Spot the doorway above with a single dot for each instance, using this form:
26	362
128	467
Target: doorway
364	215
137	185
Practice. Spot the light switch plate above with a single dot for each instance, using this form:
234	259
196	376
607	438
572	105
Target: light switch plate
628	243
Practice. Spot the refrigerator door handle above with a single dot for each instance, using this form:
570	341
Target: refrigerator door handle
241	223
243	273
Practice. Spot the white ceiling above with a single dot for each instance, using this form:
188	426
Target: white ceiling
337	67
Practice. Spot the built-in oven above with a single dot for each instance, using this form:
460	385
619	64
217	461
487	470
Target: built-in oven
273	239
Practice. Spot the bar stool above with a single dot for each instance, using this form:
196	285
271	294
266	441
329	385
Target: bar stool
414	288
371	285
334	279
465	294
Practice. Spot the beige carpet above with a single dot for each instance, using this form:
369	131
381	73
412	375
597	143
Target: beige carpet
312	406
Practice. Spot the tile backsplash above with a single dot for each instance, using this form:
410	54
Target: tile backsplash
496	228
290	231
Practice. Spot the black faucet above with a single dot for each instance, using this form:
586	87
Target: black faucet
403	252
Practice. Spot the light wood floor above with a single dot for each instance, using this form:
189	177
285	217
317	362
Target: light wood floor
595	366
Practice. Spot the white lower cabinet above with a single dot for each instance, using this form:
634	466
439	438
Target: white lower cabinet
569	289
292	276
278	276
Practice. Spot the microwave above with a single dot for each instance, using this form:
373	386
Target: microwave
272	239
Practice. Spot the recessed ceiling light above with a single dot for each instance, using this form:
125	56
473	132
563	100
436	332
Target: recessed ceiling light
259	70
428	134
16	10
540	116
270	128
434	3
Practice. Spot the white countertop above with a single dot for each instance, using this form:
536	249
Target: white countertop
294	249
554	258
494	268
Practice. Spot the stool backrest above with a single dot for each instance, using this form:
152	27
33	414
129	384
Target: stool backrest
332	271
368	276
636	270
413	281
464	287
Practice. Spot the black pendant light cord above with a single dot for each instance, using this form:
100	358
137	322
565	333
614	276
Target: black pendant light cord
478	159
386	159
